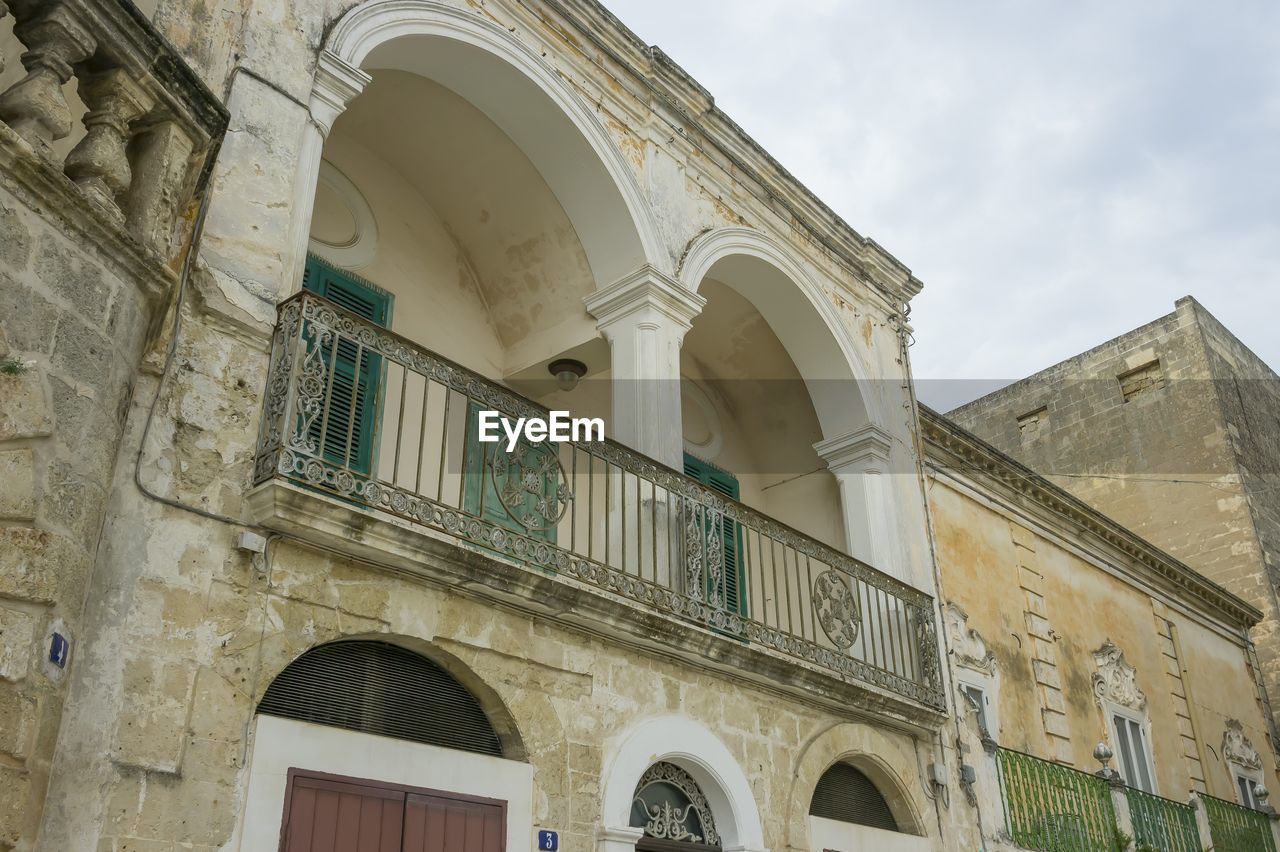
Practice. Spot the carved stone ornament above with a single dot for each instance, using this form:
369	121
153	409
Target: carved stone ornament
1237	749
1115	680
967	646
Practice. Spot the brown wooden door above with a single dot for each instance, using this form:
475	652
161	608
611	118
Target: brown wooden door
325	813
442	824
336	816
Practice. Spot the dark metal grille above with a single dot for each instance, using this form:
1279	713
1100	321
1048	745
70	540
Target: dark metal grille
845	794
383	689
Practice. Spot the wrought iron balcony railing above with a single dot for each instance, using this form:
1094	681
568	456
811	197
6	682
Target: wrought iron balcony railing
365	416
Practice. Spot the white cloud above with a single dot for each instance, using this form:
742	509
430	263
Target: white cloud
1055	173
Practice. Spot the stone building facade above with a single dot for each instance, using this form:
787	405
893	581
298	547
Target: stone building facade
263	266
1067	629
1171	430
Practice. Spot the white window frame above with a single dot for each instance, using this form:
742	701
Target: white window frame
987	686
1252	776
1143	724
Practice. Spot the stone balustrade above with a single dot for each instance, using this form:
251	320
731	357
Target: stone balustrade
150	123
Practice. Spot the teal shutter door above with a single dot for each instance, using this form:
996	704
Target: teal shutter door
481	495
354	393
733	592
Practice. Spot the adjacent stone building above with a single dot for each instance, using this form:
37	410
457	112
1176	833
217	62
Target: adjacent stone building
1173	429
1065	630
263	267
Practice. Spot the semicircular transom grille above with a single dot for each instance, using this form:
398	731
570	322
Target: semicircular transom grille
845	794
380	688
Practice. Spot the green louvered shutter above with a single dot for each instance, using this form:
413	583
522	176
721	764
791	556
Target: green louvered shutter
355	385
734	590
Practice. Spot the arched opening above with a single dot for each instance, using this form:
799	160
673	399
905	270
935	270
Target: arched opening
675	761
845	794
375	687
365	735
747	412
672	811
809	416
850	811
465	180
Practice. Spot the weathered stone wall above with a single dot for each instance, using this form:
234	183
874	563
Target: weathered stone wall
72	322
1248	392
175	772
1188	461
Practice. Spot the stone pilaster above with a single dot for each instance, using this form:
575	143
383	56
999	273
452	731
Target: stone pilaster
336	85
860	463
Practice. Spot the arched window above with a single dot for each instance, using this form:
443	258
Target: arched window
380	688
670	807
845	794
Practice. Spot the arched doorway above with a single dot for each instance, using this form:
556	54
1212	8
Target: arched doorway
682	769
368	741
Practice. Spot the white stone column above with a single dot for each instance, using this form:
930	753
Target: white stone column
645	316
860	463
336	84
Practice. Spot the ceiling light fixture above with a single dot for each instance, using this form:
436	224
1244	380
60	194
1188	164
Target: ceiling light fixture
567	372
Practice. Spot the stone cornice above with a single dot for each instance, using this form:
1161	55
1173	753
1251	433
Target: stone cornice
951	446
336	84
777	188
870	443
645	289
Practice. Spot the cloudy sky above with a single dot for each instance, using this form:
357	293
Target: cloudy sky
1056	173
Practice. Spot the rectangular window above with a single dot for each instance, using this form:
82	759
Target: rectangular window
1244	787
1135	758
732	589
977	698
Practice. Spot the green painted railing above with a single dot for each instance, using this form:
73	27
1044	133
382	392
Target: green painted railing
1163	824
1054	808
1237	829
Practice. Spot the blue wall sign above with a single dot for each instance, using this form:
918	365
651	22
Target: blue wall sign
58	648
548	841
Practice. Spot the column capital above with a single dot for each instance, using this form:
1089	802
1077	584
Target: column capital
645	292
862	448
337	82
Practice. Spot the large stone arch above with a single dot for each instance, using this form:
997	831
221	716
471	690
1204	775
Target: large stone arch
810	328
890	763
519	91
695	749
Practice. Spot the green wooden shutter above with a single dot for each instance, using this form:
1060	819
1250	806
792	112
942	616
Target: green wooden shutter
480	496
355	385
734	590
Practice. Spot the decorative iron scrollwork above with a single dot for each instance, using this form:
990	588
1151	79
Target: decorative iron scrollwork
531	485
836	609
673	806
